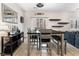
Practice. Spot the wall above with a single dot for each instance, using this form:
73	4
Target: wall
5	25
74	16
57	15
64	16
60	15
0	22
19	11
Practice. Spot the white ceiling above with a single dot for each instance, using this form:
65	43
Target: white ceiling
50	6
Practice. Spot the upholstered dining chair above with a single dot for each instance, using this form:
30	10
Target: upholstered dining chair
45	38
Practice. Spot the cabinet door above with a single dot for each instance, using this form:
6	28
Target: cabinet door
71	39
77	41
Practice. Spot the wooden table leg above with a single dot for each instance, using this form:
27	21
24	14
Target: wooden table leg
23	38
40	43
2	53
62	45
28	48
37	42
11	46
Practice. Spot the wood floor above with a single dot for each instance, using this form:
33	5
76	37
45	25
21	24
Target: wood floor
22	51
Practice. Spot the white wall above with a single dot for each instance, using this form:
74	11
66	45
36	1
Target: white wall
51	15
64	16
19	11
0	22
73	16
57	15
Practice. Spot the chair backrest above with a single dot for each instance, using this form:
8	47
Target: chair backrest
45	31
45	35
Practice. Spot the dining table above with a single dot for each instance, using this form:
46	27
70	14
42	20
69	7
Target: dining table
54	32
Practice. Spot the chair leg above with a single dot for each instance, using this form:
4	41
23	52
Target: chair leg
34	41
65	47
58	48
49	49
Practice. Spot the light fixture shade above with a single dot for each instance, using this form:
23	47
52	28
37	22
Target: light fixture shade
39	13
58	26
54	19
63	22
40	5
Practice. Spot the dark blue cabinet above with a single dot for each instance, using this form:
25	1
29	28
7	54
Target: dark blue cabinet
77	40
72	38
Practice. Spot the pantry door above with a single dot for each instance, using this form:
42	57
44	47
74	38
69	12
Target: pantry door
41	24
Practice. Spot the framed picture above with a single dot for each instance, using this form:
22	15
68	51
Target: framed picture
8	15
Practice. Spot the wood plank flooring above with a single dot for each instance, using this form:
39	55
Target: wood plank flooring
22	51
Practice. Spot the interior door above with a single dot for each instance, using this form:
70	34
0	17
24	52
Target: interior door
41	24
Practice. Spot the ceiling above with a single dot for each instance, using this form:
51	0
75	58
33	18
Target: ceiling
56	7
